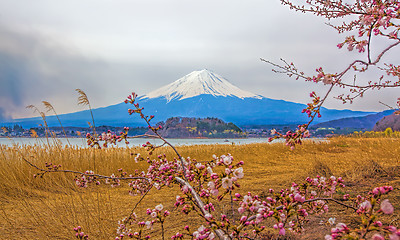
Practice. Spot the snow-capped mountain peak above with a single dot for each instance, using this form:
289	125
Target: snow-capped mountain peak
197	83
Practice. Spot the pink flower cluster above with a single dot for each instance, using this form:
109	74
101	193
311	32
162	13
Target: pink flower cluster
367	23
157	216
80	234
85	179
203	233
342	231
157	213
107	138
325	78
352	42
292	138
326	186
313	107
202	183
369	209
218	178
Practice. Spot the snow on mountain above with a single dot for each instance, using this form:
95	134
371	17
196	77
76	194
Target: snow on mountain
198	94
198	83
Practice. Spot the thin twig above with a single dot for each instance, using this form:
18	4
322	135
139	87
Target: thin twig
78	172
332	200
140	200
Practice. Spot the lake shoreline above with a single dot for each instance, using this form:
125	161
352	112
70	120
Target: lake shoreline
135	142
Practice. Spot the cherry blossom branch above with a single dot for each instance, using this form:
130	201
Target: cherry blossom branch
200	204
55	169
370	19
147	119
342	9
141	136
369	42
332	200
138	202
378	58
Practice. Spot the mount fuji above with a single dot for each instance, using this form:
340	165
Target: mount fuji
197	83
199	94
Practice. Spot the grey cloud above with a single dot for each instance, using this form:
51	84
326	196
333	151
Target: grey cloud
3	116
143	45
12	70
34	68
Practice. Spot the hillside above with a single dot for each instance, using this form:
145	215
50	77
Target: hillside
360	123
183	127
391	121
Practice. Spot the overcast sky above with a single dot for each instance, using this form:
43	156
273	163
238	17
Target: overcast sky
109	48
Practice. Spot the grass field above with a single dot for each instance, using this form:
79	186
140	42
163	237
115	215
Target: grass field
50	207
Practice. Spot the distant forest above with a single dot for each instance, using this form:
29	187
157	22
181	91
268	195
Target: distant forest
184	127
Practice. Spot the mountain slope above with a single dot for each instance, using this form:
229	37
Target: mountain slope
199	94
246	111
391	121
366	122
197	83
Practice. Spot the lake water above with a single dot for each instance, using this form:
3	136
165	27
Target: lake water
81	142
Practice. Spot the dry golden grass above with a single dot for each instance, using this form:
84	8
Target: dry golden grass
49	207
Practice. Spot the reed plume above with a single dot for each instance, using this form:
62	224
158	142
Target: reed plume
35	109
49	108
84	100
43	115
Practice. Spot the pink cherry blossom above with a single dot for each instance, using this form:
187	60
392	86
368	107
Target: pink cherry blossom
377	236
211	185
227	160
387	207
238	172
159	207
208	216
226	182
299	198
